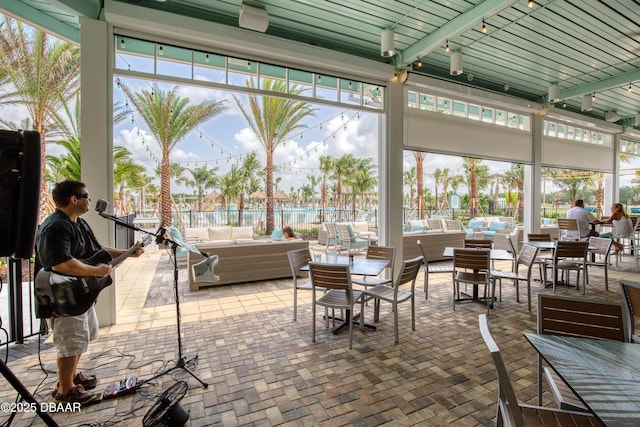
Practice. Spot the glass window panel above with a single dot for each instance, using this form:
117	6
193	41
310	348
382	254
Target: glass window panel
143	64
326	87
501	118
373	96
459	108
412	99
487	114
552	129
444	105
578	134
570	132
273	72
512	120
349	92
561	131
301	82
473	111
427	102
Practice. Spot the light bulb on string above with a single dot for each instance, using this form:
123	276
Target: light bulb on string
447	48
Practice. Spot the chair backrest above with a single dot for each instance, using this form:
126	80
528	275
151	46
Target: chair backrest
600	245
434	224
527	256
331	230
539	237
472	259
409	272
385	253
452	224
507	402
478	243
580	318
631	303
297	259
569	225
571	250
424	254
330	276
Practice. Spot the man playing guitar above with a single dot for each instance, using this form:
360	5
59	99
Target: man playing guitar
63	240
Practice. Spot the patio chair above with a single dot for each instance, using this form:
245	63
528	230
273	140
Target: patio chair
395	295
434	224
527	258
298	259
544	255
473	267
599	246
386	253
569	256
576	318
348	240
331	238
569	229
478	243
511	413
631	306
336	279
440	267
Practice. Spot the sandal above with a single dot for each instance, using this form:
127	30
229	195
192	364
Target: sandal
619	247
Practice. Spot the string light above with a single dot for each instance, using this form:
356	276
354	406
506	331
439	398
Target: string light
447	48
484	27
419	63
531	3
122	43
593	97
206	58
564	104
630	89
160	51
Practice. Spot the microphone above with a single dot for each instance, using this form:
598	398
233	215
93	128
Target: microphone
160	234
101	206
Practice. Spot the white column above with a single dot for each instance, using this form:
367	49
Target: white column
533	179
391	155
97	140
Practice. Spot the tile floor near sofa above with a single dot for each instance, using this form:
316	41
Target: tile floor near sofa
263	369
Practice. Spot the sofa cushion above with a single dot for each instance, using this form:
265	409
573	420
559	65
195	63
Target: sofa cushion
476	223
416	223
360	226
276	234
497	225
419	228
241	233
196	234
220	233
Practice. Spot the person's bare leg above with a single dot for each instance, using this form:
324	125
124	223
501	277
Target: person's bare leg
66	371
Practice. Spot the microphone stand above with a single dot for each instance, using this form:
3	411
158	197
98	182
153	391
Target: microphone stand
181	363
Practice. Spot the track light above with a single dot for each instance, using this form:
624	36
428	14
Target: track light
554	93
455	68
419	63
587	103
387	43
484	27
447	48
531	3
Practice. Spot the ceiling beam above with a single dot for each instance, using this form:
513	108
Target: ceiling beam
452	29
87	8
612	82
34	17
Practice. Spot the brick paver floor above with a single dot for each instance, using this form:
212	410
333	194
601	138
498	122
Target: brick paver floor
263	370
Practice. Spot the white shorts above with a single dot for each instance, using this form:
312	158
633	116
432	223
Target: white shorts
72	334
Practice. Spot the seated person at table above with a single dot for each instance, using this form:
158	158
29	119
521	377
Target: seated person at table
622	226
585	219
288	233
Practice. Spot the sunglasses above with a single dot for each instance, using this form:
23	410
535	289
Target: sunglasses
82	196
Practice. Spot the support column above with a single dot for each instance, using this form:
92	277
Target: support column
390	158
97	138
533	179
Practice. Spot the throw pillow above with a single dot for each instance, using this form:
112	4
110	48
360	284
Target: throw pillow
419	228
497	225
277	234
476	223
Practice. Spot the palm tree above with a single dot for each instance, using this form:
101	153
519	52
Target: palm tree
477	178
203	179
229	185
326	166
363	179
568	180
250	166
313	181
40	73
419	156
515	178
271	119
342	168
126	174
409	178
169	119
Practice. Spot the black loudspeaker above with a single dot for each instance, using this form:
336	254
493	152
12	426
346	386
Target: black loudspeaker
166	411
19	191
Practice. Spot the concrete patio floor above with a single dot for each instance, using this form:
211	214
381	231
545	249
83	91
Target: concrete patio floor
263	369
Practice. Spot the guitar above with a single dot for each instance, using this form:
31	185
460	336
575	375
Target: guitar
72	296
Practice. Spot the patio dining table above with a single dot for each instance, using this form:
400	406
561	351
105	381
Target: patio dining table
361	267
604	374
